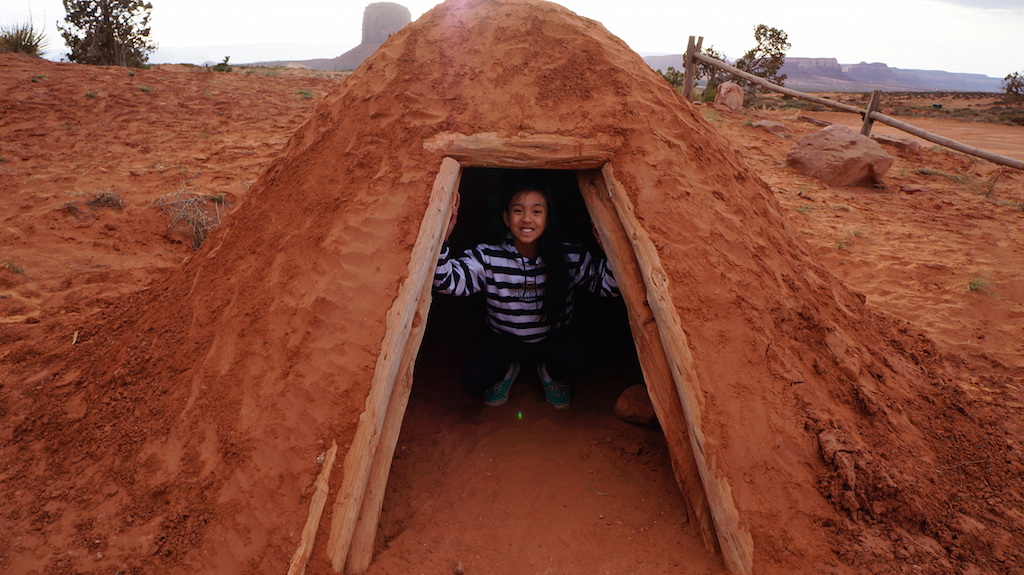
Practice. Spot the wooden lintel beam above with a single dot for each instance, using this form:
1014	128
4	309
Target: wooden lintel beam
540	151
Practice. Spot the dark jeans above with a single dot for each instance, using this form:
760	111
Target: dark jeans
564	355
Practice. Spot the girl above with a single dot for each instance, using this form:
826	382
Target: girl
528	281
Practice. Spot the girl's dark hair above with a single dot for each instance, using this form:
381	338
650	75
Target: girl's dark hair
552	250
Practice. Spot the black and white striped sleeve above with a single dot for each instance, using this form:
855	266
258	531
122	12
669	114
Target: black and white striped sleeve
461	276
593	273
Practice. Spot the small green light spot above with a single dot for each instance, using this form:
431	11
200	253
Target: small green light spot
520	415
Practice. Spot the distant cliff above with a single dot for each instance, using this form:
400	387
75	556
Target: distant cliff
380	20
882	74
828	75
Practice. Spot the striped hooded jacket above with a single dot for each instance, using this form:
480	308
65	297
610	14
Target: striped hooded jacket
514	285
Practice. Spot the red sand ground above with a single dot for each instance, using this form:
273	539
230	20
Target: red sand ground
484	488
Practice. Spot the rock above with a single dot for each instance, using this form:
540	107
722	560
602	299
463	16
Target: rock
634	406
777	128
730	95
839	156
459	569
915	189
905	145
381	19
812	120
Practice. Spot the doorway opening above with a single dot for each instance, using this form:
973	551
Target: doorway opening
524	474
357	531
456	324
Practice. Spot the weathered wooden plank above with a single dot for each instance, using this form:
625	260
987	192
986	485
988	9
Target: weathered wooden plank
541	151
316	508
876	99
689	69
361	455
735	541
650	351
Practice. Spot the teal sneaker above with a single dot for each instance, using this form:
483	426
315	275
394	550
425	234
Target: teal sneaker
556	392
498	393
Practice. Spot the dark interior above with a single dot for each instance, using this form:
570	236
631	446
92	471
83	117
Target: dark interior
456	323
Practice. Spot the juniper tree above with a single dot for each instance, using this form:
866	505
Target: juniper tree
767	57
1013	85
107	32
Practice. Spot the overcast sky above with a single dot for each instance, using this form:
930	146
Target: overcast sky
976	36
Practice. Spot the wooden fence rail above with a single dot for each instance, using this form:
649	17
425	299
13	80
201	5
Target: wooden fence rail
693	56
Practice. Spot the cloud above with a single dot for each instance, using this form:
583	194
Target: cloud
1001	5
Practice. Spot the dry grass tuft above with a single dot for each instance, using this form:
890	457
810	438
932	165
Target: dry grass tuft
106	199
195	215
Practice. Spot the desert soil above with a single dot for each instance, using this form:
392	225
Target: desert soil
87	153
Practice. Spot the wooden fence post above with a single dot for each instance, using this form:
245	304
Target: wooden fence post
876	98
690	69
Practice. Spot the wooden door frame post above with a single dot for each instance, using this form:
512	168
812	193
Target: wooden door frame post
367	464
650	350
735	541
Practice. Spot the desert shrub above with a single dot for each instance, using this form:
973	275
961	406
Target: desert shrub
788	103
12	266
223	66
1013	85
106	199
673	77
970	182
977	284
194	215
965	113
846	239
22	38
710	93
1016	118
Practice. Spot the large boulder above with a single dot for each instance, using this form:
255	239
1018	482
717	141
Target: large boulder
839	156
730	96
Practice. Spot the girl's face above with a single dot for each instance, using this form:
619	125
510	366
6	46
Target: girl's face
527	217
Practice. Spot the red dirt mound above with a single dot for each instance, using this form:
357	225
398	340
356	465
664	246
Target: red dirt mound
175	426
